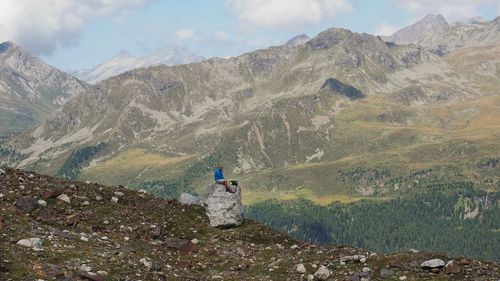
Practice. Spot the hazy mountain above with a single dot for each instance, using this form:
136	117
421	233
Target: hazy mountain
123	62
477	19
435	34
417	31
30	89
298	40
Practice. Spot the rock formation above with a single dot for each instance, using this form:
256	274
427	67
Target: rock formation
224	209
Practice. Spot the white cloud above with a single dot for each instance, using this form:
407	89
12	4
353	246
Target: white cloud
450	9
185	34
286	13
385	29
42	25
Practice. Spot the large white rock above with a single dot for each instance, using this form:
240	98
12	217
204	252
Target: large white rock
224	209
188	199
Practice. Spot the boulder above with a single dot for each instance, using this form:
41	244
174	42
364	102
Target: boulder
224	209
434	263
188	199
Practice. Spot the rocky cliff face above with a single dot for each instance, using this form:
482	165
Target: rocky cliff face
58	229
30	89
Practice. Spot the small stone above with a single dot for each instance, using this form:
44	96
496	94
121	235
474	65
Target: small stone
452	267
85	203
114	199
2	172
217	277
30	243
102	272
65	198
21	187
293	247
434	263
301	268
386	273
195	241
322	273
42	203
402	278
146	262
85	268
366	269
84	239
118	193
53	193
310	277
142	191
26	204
414	251
87	182
105	222
98	198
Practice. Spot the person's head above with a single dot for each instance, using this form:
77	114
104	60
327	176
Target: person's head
221	166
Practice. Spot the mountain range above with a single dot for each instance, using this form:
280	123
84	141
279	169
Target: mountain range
339	102
124	62
406	133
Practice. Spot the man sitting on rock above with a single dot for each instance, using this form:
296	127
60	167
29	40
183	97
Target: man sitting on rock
219	178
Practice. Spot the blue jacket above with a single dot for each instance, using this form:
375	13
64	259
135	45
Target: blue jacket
218	174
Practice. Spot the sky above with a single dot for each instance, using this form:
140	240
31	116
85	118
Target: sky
79	34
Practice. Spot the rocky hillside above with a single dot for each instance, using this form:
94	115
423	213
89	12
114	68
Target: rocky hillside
124	62
30	89
435	34
53	229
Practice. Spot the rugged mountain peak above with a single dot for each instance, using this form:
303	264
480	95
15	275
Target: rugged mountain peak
429	24
298	40
433	19
30	89
329	38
